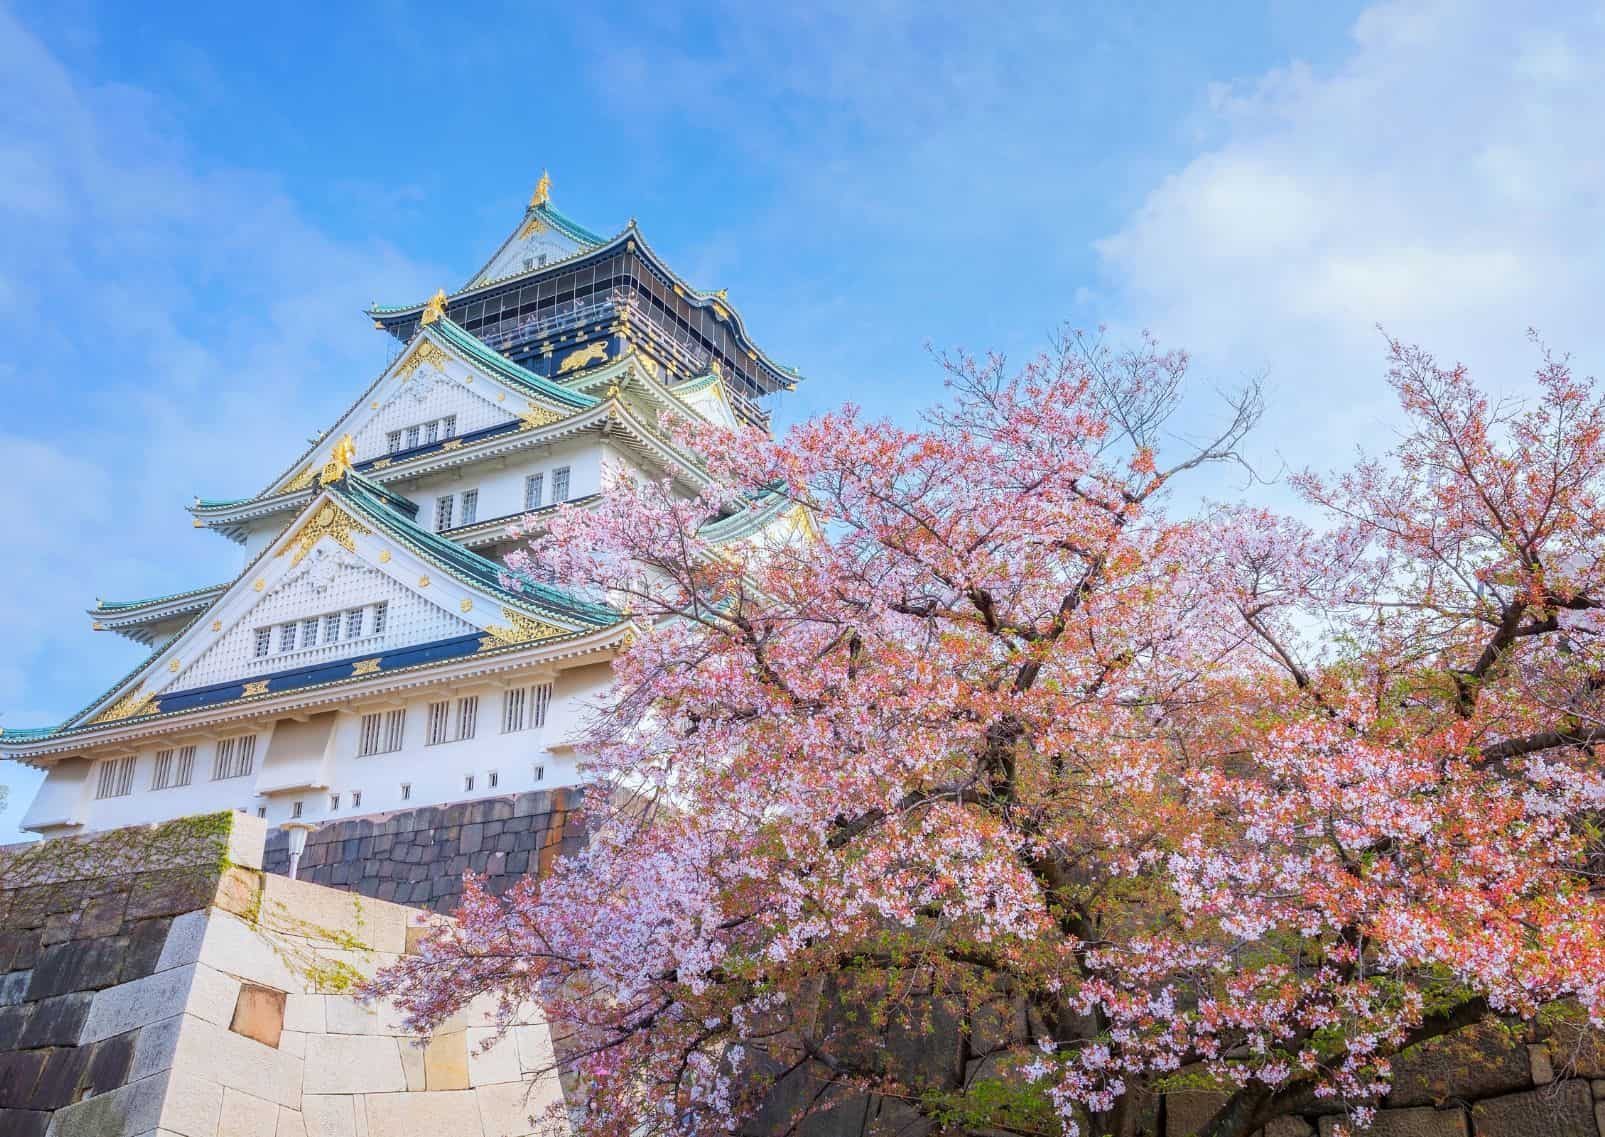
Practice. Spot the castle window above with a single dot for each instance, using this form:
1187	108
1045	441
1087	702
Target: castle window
353	623
162	775
261	811
513	710
540	773
379	611
186	766
492	780
467	716
356	799
295	809
309	632
443	506
393	441
381	733
406	791
412	437
559	484
116	777
470	506
334	803
525	707
287	637
468	784
264	641
448	426
439	719
431	431
532	491
235	757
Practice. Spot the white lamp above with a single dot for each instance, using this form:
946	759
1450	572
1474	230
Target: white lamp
298	831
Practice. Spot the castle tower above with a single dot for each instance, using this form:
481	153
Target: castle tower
375	653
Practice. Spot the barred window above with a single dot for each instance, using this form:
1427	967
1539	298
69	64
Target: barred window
439	719
406	791
331	628
295	809
356	799
161	775
412	437
524	708
264	641
431	432
235	757
116	777
470	507
492	780
560	484
379	611
540	773
287	637
443	505
334	803
309	632
468	784
532	491
467	716
393	441
381	733
185	773
354	623
448	426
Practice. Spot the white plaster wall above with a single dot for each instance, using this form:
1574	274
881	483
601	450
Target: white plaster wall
435	773
500	481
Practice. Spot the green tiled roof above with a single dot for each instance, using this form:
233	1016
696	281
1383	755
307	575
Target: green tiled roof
487	357
125	605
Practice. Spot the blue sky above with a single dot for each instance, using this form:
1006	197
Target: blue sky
197	204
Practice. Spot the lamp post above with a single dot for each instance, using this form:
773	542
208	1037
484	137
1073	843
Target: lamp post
298	831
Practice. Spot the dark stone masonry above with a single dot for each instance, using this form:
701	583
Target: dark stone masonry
418	856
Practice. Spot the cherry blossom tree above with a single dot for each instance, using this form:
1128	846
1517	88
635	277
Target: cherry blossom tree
984	779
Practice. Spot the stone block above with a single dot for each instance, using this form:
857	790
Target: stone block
293	1042
102	916
155	1047
304	1013
446	1062
239	891
239	1063
1543	1071
1479	1061
213	996
423	1115
412	1064
506	1110
1420	1121
185	935
109	1067
56	1022
76	965
236	947
1288	1127
58	1080
245	1116
193	1105
131	1109
329	1115
258	1014
13	1021
535	1050
492	1057
353	1064
247	839
291	1123
19	948
347	1014
130	1005
1599	1117
1564	1109
312	911
24	1122
169	893
19	1071
146	941
1186	1111
13	986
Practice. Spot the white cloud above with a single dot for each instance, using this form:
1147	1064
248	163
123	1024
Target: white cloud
1446	180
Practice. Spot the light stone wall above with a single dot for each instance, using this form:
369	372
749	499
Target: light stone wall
215	1001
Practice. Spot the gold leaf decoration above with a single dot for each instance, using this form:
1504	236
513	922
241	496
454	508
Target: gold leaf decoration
538	416
531	227
257	688
518	629
131	705
365	666
435	309
259	585
423	582
467	605
590	353
331	521
424	354
543	191
173	666
301	481
217	625
452	444
384	556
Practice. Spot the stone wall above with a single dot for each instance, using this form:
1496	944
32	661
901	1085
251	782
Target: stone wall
155	983
418	856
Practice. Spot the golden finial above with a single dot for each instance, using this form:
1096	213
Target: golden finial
435	309
543	191
340	460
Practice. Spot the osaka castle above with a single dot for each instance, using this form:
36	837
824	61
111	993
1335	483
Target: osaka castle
375	653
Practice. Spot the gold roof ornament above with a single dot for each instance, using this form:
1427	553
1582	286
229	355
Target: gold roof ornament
543	191
340	461
435	309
